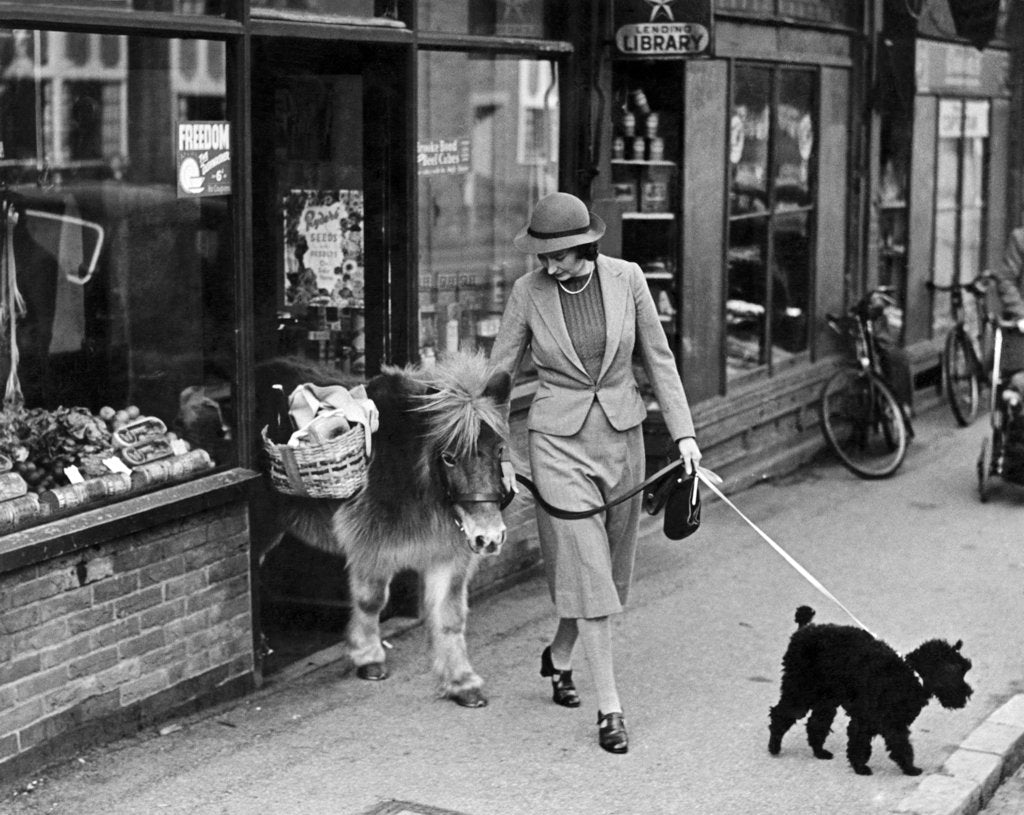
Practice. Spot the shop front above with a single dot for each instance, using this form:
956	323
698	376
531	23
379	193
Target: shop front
190	188
732	134
944	167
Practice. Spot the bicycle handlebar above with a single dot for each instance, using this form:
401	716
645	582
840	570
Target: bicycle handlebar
1010	324
977	286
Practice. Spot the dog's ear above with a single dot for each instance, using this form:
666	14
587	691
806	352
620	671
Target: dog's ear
959	645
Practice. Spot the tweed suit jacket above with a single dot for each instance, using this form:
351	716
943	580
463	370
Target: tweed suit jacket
533	321
1010	277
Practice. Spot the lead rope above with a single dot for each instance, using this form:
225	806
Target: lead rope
703	475
12	306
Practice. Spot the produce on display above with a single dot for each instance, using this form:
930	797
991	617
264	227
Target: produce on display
53	460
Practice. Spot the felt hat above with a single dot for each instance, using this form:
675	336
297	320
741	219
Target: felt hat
559	221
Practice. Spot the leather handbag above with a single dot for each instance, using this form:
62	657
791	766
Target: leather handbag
678	496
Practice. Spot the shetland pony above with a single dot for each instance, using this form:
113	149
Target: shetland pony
431	503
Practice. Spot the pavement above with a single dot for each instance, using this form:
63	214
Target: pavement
698	650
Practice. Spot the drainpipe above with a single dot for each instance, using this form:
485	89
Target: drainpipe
1015	187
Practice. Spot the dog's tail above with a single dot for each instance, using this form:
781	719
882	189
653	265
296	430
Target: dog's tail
804	615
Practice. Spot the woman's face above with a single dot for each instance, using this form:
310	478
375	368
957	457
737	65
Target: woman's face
564	264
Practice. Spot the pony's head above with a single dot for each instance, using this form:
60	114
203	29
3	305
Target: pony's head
466	408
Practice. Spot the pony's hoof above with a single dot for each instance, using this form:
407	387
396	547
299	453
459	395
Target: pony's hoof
372	671
470	697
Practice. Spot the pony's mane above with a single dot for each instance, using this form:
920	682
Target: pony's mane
455	404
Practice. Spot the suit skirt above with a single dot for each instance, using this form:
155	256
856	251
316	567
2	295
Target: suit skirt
589	562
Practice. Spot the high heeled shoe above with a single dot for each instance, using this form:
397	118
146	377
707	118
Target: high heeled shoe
563	691
611	732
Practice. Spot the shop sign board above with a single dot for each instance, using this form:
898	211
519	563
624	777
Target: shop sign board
443	157
663	29
952	68
203	159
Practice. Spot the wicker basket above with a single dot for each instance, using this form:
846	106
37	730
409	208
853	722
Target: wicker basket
335	469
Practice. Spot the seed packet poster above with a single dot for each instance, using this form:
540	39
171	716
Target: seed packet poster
323	247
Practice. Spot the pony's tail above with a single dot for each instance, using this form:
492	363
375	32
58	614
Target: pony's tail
804	615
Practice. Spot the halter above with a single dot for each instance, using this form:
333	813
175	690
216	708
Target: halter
495	497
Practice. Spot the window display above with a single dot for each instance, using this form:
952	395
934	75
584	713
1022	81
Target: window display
116	295
332	8
771	202
962	158
507	18
836	12
488	149
645	153
213	7
893	212
319	190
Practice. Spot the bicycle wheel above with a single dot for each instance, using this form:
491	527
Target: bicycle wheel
961	372
862	422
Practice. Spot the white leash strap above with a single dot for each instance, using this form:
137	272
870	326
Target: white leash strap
708	478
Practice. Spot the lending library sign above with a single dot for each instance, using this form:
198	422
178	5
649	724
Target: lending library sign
663	29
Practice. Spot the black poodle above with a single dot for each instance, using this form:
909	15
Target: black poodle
832	666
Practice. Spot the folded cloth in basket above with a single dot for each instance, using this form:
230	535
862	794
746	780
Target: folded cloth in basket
319	412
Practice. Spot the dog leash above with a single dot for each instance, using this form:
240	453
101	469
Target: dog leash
702	474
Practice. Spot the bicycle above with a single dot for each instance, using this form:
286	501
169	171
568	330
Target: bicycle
963	374
861	418
1006	457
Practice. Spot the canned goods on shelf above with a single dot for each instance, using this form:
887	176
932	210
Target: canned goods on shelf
640	101
628	124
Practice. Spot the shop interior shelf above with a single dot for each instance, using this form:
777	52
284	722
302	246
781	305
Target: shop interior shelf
637	162
658	275
648	216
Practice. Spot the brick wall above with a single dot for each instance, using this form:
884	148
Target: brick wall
99	642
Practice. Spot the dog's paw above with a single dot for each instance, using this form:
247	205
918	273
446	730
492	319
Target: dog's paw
863	769
774	746
822	753
912	770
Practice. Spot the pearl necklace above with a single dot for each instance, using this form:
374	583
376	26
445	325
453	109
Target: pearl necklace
581	288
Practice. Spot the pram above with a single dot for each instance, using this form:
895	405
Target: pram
1003	456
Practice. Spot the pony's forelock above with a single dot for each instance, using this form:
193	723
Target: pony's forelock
455	403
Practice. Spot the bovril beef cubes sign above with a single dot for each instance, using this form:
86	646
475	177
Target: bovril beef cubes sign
663	29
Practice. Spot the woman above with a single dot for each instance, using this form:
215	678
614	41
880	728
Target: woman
582	314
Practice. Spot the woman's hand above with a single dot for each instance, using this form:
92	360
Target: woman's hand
508	478
689	452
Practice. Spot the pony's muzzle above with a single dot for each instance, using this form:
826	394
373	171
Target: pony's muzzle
488	544
485	536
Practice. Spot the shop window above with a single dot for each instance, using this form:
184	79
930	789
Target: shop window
503	18
771	203
356	9
893	212
487	151
212	7
960	194
117	350
846	13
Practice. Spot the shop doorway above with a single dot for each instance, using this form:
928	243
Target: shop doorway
326	244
